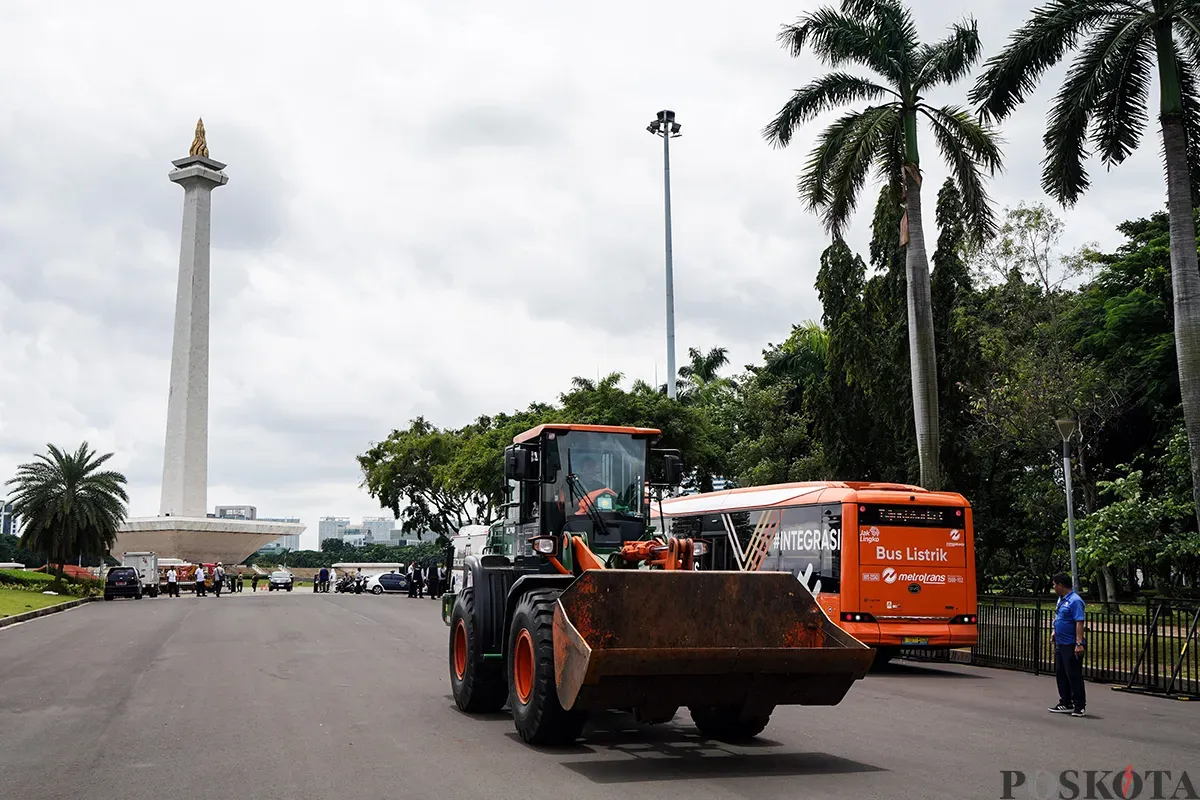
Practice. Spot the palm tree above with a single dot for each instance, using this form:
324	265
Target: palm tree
69	504
701	373
1103	101
880	36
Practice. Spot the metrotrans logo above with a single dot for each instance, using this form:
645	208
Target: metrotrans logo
891	575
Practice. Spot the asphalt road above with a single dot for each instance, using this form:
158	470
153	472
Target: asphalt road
303	696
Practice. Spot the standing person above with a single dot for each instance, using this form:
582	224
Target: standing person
324	579
172	583
412	579
441	573
432	576
218	579
241	581
1069	645
254	582
199	580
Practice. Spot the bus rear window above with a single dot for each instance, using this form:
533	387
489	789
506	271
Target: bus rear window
912	516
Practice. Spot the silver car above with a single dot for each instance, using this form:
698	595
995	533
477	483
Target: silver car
279	580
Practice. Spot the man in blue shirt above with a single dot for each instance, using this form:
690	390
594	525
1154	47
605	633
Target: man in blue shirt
1068	649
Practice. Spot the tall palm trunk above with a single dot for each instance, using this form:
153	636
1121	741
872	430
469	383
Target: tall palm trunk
921	354
1185	271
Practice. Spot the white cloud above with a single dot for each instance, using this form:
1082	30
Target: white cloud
432	209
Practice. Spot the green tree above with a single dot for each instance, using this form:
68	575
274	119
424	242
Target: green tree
1103	101
700	378
881	36
69	504
411	473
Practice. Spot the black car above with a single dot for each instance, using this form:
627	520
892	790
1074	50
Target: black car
123	582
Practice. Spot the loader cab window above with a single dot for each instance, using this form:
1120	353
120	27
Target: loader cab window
609	473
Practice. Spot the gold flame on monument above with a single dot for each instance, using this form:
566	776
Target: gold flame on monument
199	144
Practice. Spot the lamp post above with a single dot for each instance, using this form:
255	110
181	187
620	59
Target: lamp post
664	125
1066	429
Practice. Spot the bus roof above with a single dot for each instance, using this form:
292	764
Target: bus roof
803	493
533	433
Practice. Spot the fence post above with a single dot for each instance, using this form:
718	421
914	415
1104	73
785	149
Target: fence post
1038	636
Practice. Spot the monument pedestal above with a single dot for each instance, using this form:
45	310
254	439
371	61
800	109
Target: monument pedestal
201	540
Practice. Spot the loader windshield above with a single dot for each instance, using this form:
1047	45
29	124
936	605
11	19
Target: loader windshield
607	470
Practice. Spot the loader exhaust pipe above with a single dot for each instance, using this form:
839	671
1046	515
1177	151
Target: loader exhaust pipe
654	638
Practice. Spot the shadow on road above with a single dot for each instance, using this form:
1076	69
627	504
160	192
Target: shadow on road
923	670
722	764
677	750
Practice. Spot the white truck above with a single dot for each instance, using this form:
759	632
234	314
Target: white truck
146	564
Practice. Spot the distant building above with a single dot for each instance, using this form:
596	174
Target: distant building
10	523
290	542
332	528
378	529
237	512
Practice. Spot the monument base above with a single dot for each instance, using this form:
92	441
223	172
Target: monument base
200	540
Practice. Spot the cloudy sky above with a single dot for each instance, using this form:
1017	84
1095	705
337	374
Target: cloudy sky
443	209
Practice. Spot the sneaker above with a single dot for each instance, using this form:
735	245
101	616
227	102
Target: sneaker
1061	708
1079	712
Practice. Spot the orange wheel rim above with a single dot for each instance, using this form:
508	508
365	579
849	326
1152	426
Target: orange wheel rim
460	650
523	666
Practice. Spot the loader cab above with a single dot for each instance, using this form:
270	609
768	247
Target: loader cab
585	479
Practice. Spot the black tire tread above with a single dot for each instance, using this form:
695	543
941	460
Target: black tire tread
548	723
483	688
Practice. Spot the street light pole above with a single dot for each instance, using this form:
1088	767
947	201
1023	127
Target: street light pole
1066	429
664	125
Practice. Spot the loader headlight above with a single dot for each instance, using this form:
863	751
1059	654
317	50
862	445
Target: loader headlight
543	545
699	548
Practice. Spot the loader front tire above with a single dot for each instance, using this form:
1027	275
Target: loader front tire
532	694
478	683
729	723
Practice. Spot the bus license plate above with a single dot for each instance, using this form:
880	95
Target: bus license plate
915	640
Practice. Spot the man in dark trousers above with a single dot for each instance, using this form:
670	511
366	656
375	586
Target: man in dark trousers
1069	645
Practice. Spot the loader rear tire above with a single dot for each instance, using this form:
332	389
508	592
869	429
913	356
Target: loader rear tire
478	683
729	723
532	694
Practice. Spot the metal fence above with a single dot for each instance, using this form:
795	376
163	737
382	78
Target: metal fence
1151	647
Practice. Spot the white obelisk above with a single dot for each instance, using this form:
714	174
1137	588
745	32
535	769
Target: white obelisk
185	459
183	528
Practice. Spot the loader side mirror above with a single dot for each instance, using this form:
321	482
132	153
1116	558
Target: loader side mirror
518	466
673	469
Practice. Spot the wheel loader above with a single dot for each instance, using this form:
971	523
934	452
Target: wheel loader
577	605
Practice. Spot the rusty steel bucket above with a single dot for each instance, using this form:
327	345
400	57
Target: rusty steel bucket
638	639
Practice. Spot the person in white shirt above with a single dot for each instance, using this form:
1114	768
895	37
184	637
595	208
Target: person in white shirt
172	583
199	580
218	578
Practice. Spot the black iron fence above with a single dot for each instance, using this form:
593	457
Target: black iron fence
1152	646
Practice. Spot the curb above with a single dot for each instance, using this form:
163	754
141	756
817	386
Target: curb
41	612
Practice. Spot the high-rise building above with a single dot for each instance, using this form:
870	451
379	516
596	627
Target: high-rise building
378	529
10	523
332	528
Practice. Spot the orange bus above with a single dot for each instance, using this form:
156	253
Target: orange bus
906	580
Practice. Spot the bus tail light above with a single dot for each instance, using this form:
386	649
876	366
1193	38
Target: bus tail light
857	616
965	619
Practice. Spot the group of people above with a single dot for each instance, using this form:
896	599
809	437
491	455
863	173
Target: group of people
426	578
220	579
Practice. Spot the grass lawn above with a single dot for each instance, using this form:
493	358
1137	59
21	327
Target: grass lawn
16	601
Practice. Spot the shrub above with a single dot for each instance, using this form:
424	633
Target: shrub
24	579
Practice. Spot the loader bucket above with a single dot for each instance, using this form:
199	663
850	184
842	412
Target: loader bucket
640	639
